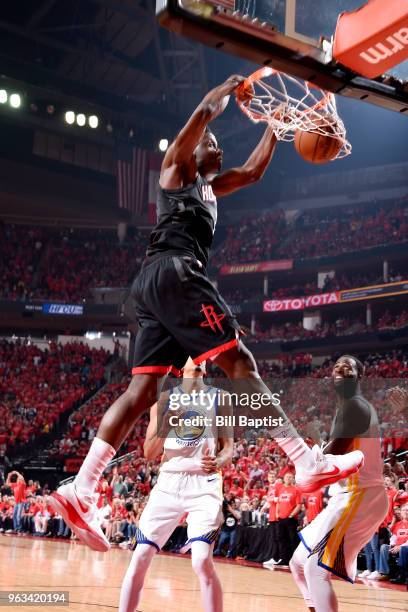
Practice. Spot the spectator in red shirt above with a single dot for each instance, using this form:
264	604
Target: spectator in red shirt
391	492
27	514
396	466
4	508
117	517
239	474
401	496
314	505
43	513
399	538
285	467
236	490
257	490
6	514
30	489
287	509
16	482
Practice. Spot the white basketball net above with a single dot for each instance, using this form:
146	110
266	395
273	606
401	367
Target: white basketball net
289	104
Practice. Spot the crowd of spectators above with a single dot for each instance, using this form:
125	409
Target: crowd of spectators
255	238
64	264
38	385
315	233
45	263
343	326
20	252
96	259
347	229
83	424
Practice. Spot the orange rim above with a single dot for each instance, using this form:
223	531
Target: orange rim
258	75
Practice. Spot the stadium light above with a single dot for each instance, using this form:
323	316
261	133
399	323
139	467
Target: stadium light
81	119
163	144
93	122
70	117
3	96
15	100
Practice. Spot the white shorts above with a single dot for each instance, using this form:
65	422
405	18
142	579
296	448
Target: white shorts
174	495
344	527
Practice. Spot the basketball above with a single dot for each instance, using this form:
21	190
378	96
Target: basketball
317	148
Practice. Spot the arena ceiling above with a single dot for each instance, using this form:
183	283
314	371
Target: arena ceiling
111	52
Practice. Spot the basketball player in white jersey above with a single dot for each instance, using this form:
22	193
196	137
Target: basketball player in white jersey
189	482
358	504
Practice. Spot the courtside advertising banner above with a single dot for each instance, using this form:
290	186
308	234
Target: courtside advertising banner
336	297
263	266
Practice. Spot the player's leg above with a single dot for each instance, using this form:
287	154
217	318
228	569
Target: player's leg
76	501
320	586
133	581
204	568
202	500
156	354
115	426
157	522
297	567
312	466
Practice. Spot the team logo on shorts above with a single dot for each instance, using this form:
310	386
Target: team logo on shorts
191	426
212	319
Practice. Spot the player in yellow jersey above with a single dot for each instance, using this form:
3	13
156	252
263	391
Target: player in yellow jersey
358	504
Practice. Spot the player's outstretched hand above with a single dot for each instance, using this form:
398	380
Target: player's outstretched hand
398	398
209	462
234	81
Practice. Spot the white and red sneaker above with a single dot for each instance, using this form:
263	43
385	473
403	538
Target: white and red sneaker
79	512
328	469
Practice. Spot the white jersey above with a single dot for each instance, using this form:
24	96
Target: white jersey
194	430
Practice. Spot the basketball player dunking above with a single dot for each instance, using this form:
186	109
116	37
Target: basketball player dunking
181	313
331	542
189	482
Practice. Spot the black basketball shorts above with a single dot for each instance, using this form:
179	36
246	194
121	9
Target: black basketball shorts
180	314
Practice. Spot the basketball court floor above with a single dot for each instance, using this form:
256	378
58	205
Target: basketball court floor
93	580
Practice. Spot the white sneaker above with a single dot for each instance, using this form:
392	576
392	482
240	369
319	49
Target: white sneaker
270	563
377	576
79	512
364	574
328	469
124	544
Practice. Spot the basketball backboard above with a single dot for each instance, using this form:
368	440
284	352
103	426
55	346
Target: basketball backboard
294	36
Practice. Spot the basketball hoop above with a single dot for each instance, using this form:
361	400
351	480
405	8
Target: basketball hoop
289	104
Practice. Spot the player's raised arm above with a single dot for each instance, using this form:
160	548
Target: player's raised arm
251	171
181	150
